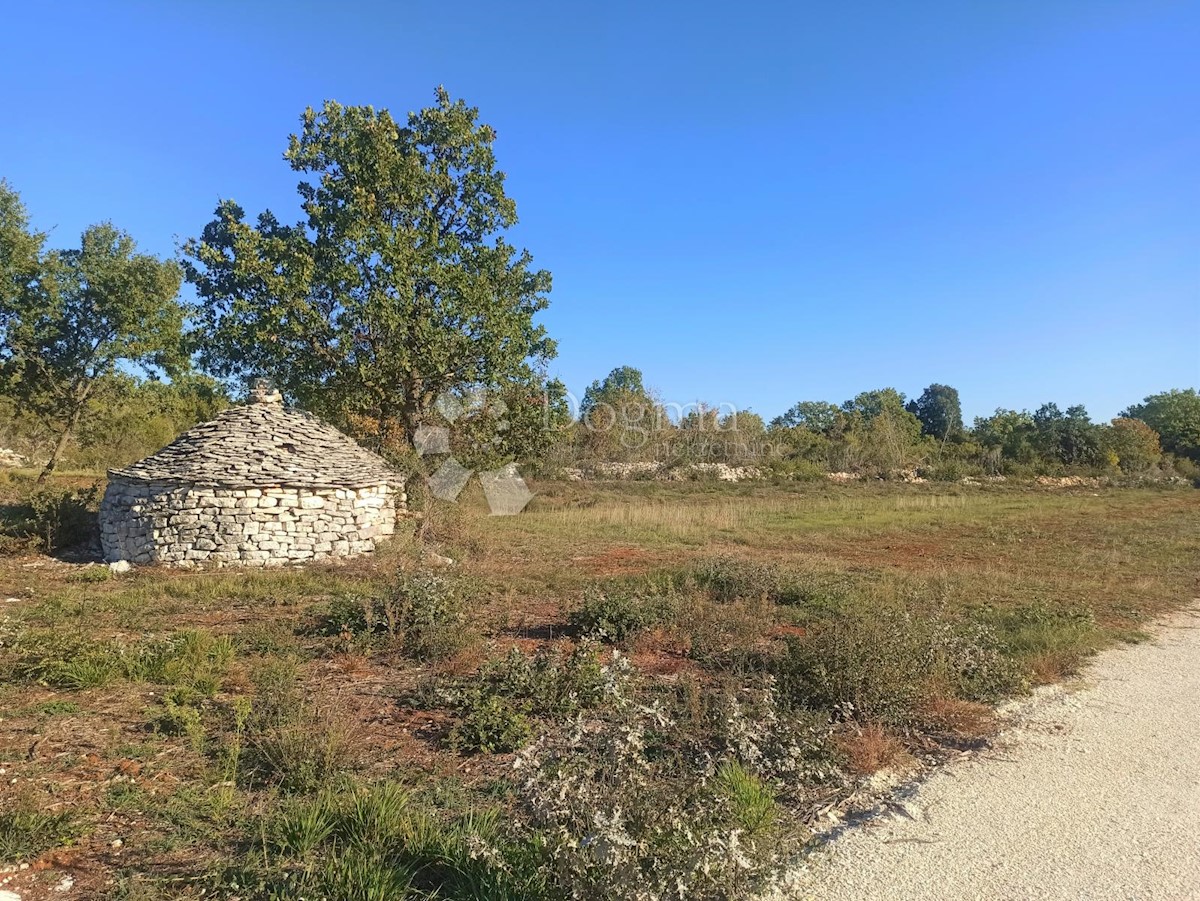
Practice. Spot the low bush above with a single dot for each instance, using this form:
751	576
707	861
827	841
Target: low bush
421	613
658	799
881	666
616	612
499	702
63	517
728	579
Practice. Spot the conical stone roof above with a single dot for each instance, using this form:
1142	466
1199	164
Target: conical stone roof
262	445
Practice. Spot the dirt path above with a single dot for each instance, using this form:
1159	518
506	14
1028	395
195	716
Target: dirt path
1096	795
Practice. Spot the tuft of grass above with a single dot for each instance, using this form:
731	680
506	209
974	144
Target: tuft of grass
752	801
26	832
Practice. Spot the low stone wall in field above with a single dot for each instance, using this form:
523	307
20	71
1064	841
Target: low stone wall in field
187	525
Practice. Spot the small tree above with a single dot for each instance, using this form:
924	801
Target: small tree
1133	443
940	412
69	319
395	288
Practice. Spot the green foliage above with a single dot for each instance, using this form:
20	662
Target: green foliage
730	578
1039	630
396	286
811	415
289	740
422	613
939	411
616	612
491	725
1175	416
180	719
63	517
90	575
619	419
192	662
1067	437
1132	443
71	318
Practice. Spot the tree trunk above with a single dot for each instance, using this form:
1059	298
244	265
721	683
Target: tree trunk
61	444
59	447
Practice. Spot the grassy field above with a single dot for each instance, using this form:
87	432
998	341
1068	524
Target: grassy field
624	684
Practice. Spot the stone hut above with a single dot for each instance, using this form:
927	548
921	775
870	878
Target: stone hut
260	485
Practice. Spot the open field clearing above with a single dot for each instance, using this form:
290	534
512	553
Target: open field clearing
625	687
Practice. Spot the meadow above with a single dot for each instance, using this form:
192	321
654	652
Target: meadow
627	688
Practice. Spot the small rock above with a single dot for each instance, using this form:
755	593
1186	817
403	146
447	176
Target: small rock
6	895
438	560
117	844
120	566
65	884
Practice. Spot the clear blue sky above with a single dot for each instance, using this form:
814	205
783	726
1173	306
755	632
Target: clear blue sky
754	203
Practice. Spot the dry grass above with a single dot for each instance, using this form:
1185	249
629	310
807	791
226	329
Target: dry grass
871	748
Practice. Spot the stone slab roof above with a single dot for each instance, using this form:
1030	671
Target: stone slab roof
263	444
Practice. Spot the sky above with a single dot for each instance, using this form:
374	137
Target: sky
754	203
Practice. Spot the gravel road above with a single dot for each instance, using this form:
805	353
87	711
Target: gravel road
1093	794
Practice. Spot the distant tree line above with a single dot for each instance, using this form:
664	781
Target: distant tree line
881	433
394	302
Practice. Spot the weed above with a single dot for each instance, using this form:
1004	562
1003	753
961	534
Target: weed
882	665
490	725
498	702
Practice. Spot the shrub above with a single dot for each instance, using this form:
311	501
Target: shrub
617	612
63	517
728	579
423	613
648	803
491	725
498	703
429	609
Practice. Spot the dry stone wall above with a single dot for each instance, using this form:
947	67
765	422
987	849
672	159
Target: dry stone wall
147	522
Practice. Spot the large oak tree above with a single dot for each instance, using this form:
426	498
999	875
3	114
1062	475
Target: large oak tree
396	286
